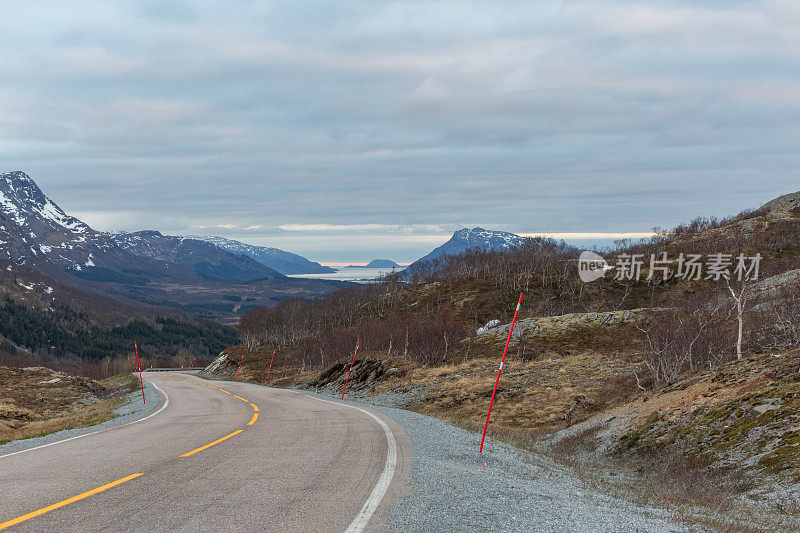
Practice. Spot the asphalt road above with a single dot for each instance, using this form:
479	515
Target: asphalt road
301	464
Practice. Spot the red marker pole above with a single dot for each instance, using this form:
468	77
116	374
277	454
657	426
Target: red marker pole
499	370
351	369
270	367
139	365
238	369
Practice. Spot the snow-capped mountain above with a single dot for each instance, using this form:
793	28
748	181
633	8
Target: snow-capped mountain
22	201
283	262
472	239
36	232
47	256
33	229
201	256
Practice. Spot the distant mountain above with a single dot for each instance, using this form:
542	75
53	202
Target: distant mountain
34	231
200	256
382	263
283	262
49	258
472	239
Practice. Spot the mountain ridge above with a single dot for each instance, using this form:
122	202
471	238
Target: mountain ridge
201	256
280	260
35	231
51	258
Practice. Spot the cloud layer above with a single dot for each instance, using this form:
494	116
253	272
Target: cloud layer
346	130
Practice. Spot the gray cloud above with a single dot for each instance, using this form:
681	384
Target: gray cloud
535	117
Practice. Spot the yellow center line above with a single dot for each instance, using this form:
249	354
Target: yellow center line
107	486
252	421
210	444
68	501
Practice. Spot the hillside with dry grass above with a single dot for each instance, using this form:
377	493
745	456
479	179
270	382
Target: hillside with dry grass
643	378
36	401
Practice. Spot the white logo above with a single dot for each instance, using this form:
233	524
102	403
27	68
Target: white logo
592	266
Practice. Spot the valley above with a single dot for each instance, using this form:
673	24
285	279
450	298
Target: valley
53	266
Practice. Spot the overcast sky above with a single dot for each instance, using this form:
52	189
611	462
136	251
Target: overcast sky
352	130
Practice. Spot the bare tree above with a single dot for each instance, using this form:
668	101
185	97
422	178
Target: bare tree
183	357
741	301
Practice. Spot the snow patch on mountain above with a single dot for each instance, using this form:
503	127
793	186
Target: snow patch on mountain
474	239
21	198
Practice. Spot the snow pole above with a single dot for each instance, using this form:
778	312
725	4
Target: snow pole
270	366
499	370
240	367
139	366
351	369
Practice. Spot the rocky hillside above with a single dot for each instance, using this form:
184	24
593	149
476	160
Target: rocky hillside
36	401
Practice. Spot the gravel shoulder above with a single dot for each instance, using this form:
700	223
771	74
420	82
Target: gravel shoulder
130	410
516	491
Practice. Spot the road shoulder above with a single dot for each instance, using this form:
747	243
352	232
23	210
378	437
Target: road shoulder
131	410
450	490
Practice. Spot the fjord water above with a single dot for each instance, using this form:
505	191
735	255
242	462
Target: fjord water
357	274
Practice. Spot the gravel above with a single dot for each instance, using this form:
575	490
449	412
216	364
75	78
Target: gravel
516	491
132	409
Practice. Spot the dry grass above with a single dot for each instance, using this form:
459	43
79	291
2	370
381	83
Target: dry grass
533	396
38	401
683	447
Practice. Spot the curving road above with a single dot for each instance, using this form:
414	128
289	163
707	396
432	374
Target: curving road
215	456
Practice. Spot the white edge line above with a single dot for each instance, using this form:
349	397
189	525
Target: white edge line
166	403
379	491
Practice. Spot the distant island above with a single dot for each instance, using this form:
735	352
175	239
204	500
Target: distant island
377	263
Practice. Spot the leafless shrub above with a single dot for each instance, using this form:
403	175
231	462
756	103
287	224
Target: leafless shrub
774	324
543	261
692	336
698	331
